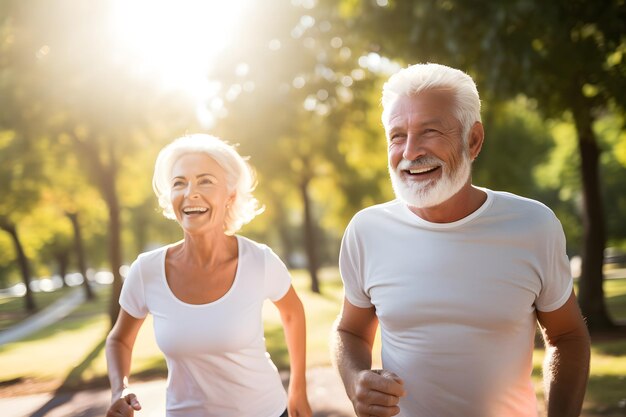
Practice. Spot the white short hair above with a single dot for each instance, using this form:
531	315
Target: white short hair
416	78
240	177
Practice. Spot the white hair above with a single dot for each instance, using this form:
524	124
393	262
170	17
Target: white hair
240	177
416	78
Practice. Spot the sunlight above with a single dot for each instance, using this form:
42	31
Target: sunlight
175	42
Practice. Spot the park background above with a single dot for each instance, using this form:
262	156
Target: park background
90	91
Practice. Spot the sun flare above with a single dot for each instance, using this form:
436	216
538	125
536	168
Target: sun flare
175	42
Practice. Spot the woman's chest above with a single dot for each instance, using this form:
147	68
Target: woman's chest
231	323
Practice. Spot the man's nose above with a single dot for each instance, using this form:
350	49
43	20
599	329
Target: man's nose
413	148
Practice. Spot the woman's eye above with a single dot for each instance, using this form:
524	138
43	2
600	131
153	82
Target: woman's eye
177	184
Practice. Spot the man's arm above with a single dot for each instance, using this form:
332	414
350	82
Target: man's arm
566	366
373	393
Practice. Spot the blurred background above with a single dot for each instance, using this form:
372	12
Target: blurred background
90	91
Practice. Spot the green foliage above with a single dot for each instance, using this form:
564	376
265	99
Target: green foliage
553	51
8	270
293	122
302	101
516	143
612	135
566	55
20	175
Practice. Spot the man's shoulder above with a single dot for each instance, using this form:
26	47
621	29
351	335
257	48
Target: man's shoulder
377	211
510	203
515	200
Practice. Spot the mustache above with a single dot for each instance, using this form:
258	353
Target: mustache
423	161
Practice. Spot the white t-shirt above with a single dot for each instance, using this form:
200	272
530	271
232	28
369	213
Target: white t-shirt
216	356
456	301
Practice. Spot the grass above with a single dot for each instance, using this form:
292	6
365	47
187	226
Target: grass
12	308
60	349
606	391
321	311
70	353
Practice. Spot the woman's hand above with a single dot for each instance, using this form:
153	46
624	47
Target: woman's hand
125	406
298	403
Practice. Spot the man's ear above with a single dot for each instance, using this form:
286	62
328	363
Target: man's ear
475	140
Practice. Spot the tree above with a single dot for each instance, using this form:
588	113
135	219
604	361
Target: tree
568	55
69	195
287	113
69	90
19	176
19	163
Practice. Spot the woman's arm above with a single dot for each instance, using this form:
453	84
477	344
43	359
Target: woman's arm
119	348
294	324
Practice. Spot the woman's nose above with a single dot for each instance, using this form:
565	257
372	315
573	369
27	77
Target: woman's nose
191	191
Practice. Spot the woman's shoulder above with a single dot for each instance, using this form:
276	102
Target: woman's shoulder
154	254
246	242
255	249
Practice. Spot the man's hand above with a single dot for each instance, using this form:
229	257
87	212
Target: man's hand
377	393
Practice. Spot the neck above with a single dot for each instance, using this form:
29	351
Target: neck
457	207
206	249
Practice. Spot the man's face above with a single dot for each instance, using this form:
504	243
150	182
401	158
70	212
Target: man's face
429	161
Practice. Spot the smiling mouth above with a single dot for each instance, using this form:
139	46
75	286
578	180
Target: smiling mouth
421	170
195	210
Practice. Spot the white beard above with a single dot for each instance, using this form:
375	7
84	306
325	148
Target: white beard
434	192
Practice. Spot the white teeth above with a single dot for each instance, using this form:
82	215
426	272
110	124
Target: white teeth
188	210
421	170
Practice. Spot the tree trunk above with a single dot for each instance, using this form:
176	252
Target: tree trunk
108	182
62	258
80	254
591	292
102	165
141	225
309	236
283	231
22	260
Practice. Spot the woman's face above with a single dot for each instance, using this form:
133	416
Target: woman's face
199	194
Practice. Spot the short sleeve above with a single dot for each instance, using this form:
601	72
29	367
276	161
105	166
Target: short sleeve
351	268
132	297
277	277
556	276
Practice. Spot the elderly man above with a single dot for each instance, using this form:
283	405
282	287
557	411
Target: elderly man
456	275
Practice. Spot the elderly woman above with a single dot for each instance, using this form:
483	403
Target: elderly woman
206	294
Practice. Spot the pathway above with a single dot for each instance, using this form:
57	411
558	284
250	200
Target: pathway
54	312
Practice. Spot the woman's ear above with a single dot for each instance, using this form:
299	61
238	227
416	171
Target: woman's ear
231	199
